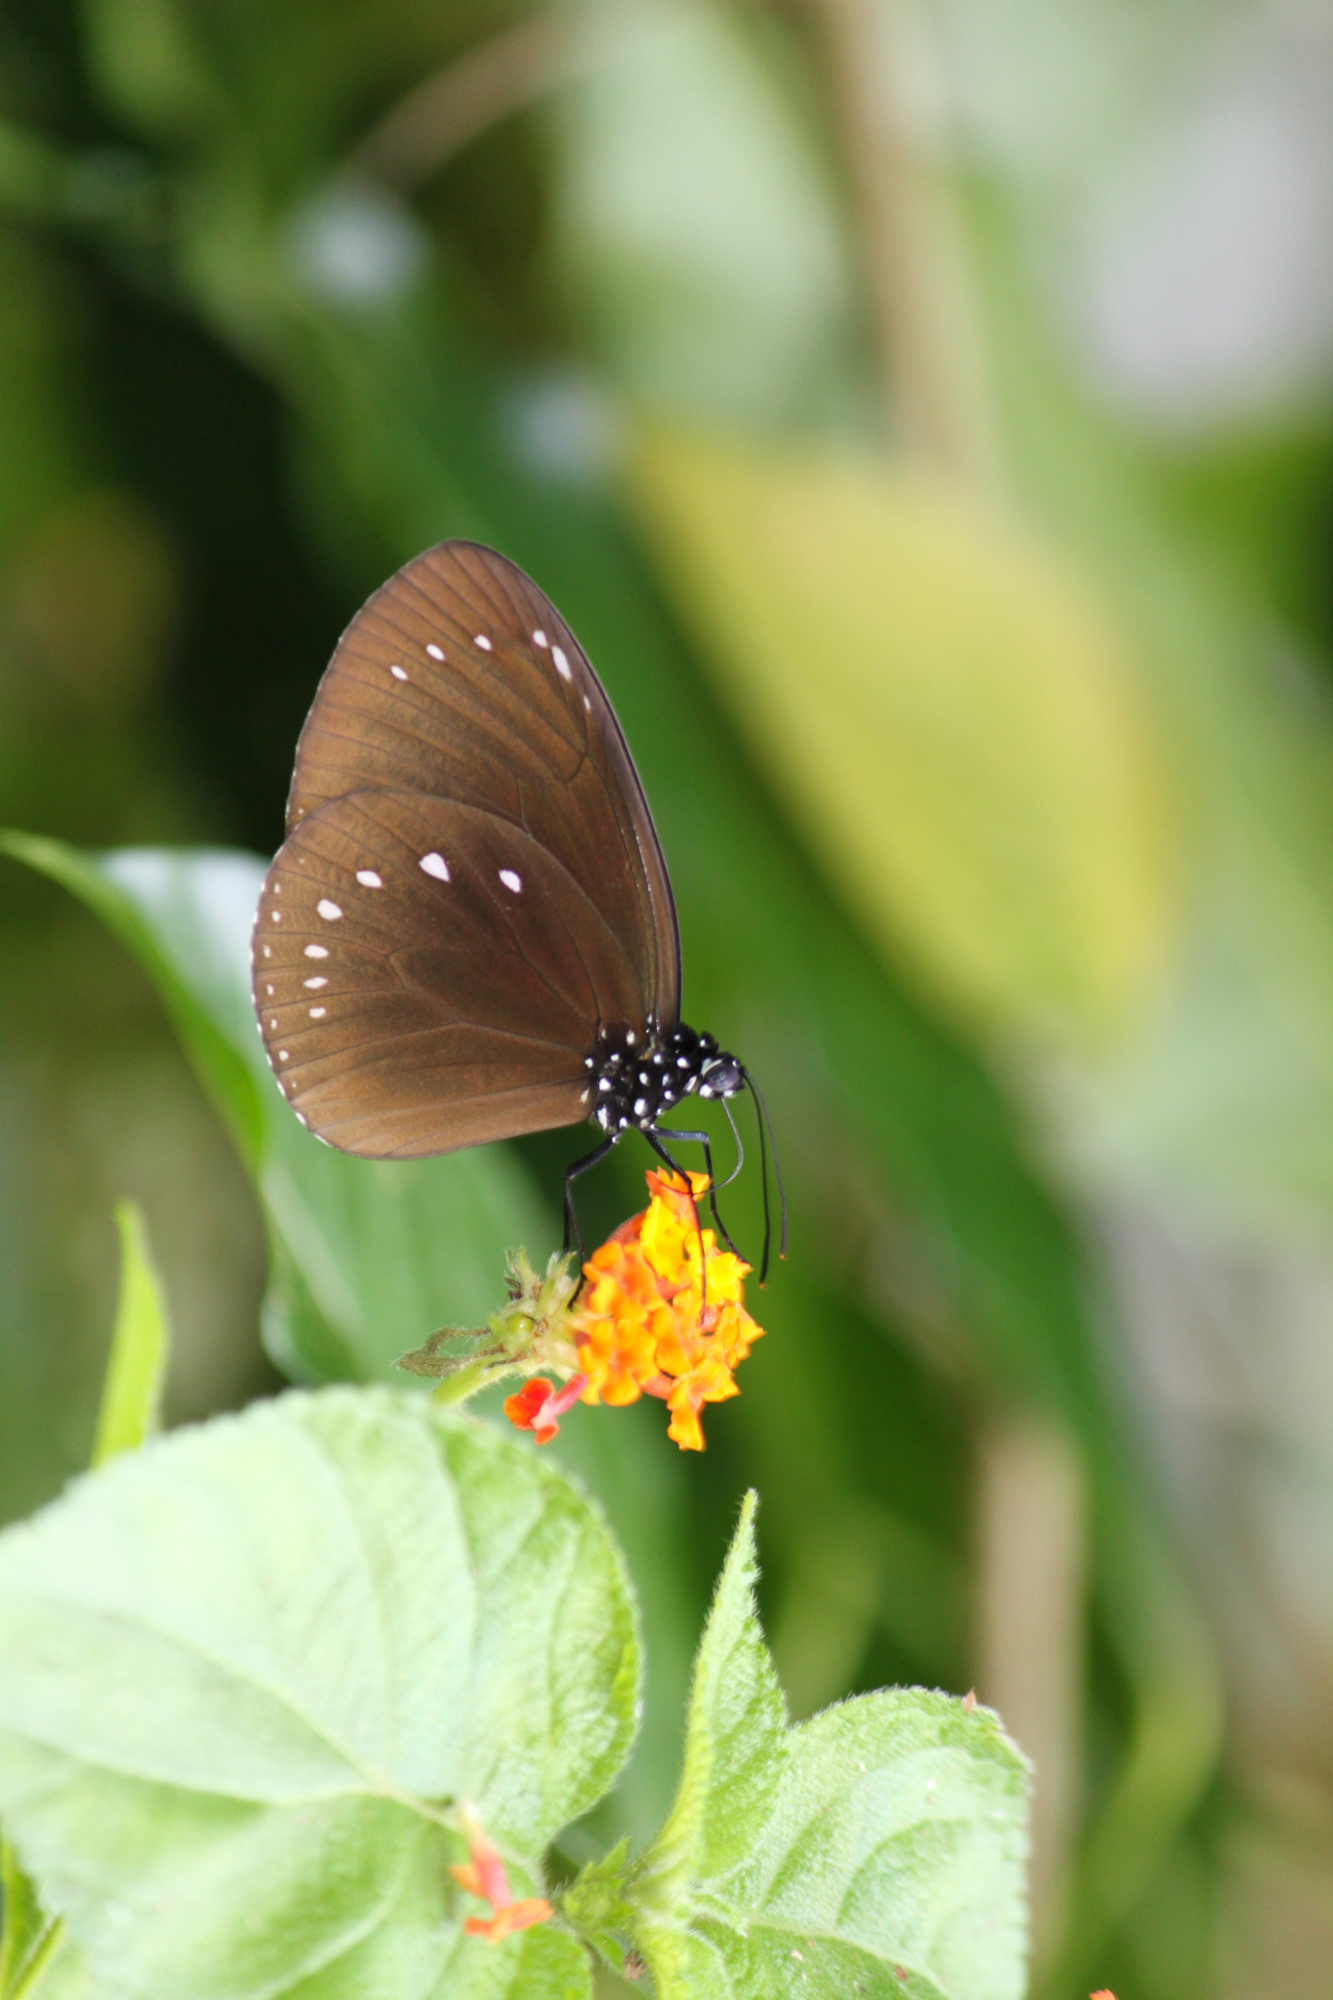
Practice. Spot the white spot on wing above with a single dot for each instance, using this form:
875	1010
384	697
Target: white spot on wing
482	641
315	983
268	951
436	865
539	638
398	673
328	910
318	1013
562	665
436	652
284	1054
369	879
587	704
276	916
303	1120
316	951
269	991
511	881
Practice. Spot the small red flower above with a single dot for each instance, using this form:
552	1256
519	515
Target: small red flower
513	1917
484	1877
538	1404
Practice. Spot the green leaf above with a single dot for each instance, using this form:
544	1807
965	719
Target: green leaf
595	1906
180	914
733	1738
369	1255
29	1937
879	1848
952	713
388	1250
140	1343
38	1958
245	1672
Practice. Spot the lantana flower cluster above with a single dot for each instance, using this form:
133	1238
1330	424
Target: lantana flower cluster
661	1313
657	1311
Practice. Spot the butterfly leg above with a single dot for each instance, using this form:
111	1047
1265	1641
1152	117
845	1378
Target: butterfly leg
591	1159
697	1139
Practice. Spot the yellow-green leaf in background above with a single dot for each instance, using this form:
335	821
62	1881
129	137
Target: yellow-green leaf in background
132	1392
950	710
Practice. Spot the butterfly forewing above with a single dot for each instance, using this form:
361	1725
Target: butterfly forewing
471	884
460	679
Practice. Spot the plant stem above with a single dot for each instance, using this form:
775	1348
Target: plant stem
926	317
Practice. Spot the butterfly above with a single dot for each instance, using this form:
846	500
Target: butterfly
468	932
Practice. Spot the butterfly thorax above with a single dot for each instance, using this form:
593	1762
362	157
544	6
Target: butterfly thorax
634	1078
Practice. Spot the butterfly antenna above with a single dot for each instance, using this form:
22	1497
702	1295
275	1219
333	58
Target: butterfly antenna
777	1164
740	1146
765	1123
722	1229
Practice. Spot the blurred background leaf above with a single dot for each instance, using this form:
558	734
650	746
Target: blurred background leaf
953	720
923	416
364	1251
140	1345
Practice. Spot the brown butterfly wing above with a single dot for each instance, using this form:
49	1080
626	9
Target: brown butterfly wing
518	724
411	1009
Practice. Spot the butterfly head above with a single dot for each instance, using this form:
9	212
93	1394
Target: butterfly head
721	1076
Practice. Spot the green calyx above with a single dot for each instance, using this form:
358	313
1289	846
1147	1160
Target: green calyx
530	1332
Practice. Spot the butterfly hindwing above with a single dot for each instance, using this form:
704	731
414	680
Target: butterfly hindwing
425	973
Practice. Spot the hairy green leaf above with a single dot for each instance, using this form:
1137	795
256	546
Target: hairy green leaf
733	1739
878	1849
246	1672
595	1905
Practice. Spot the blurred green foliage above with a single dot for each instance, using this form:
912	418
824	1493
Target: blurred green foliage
985	716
